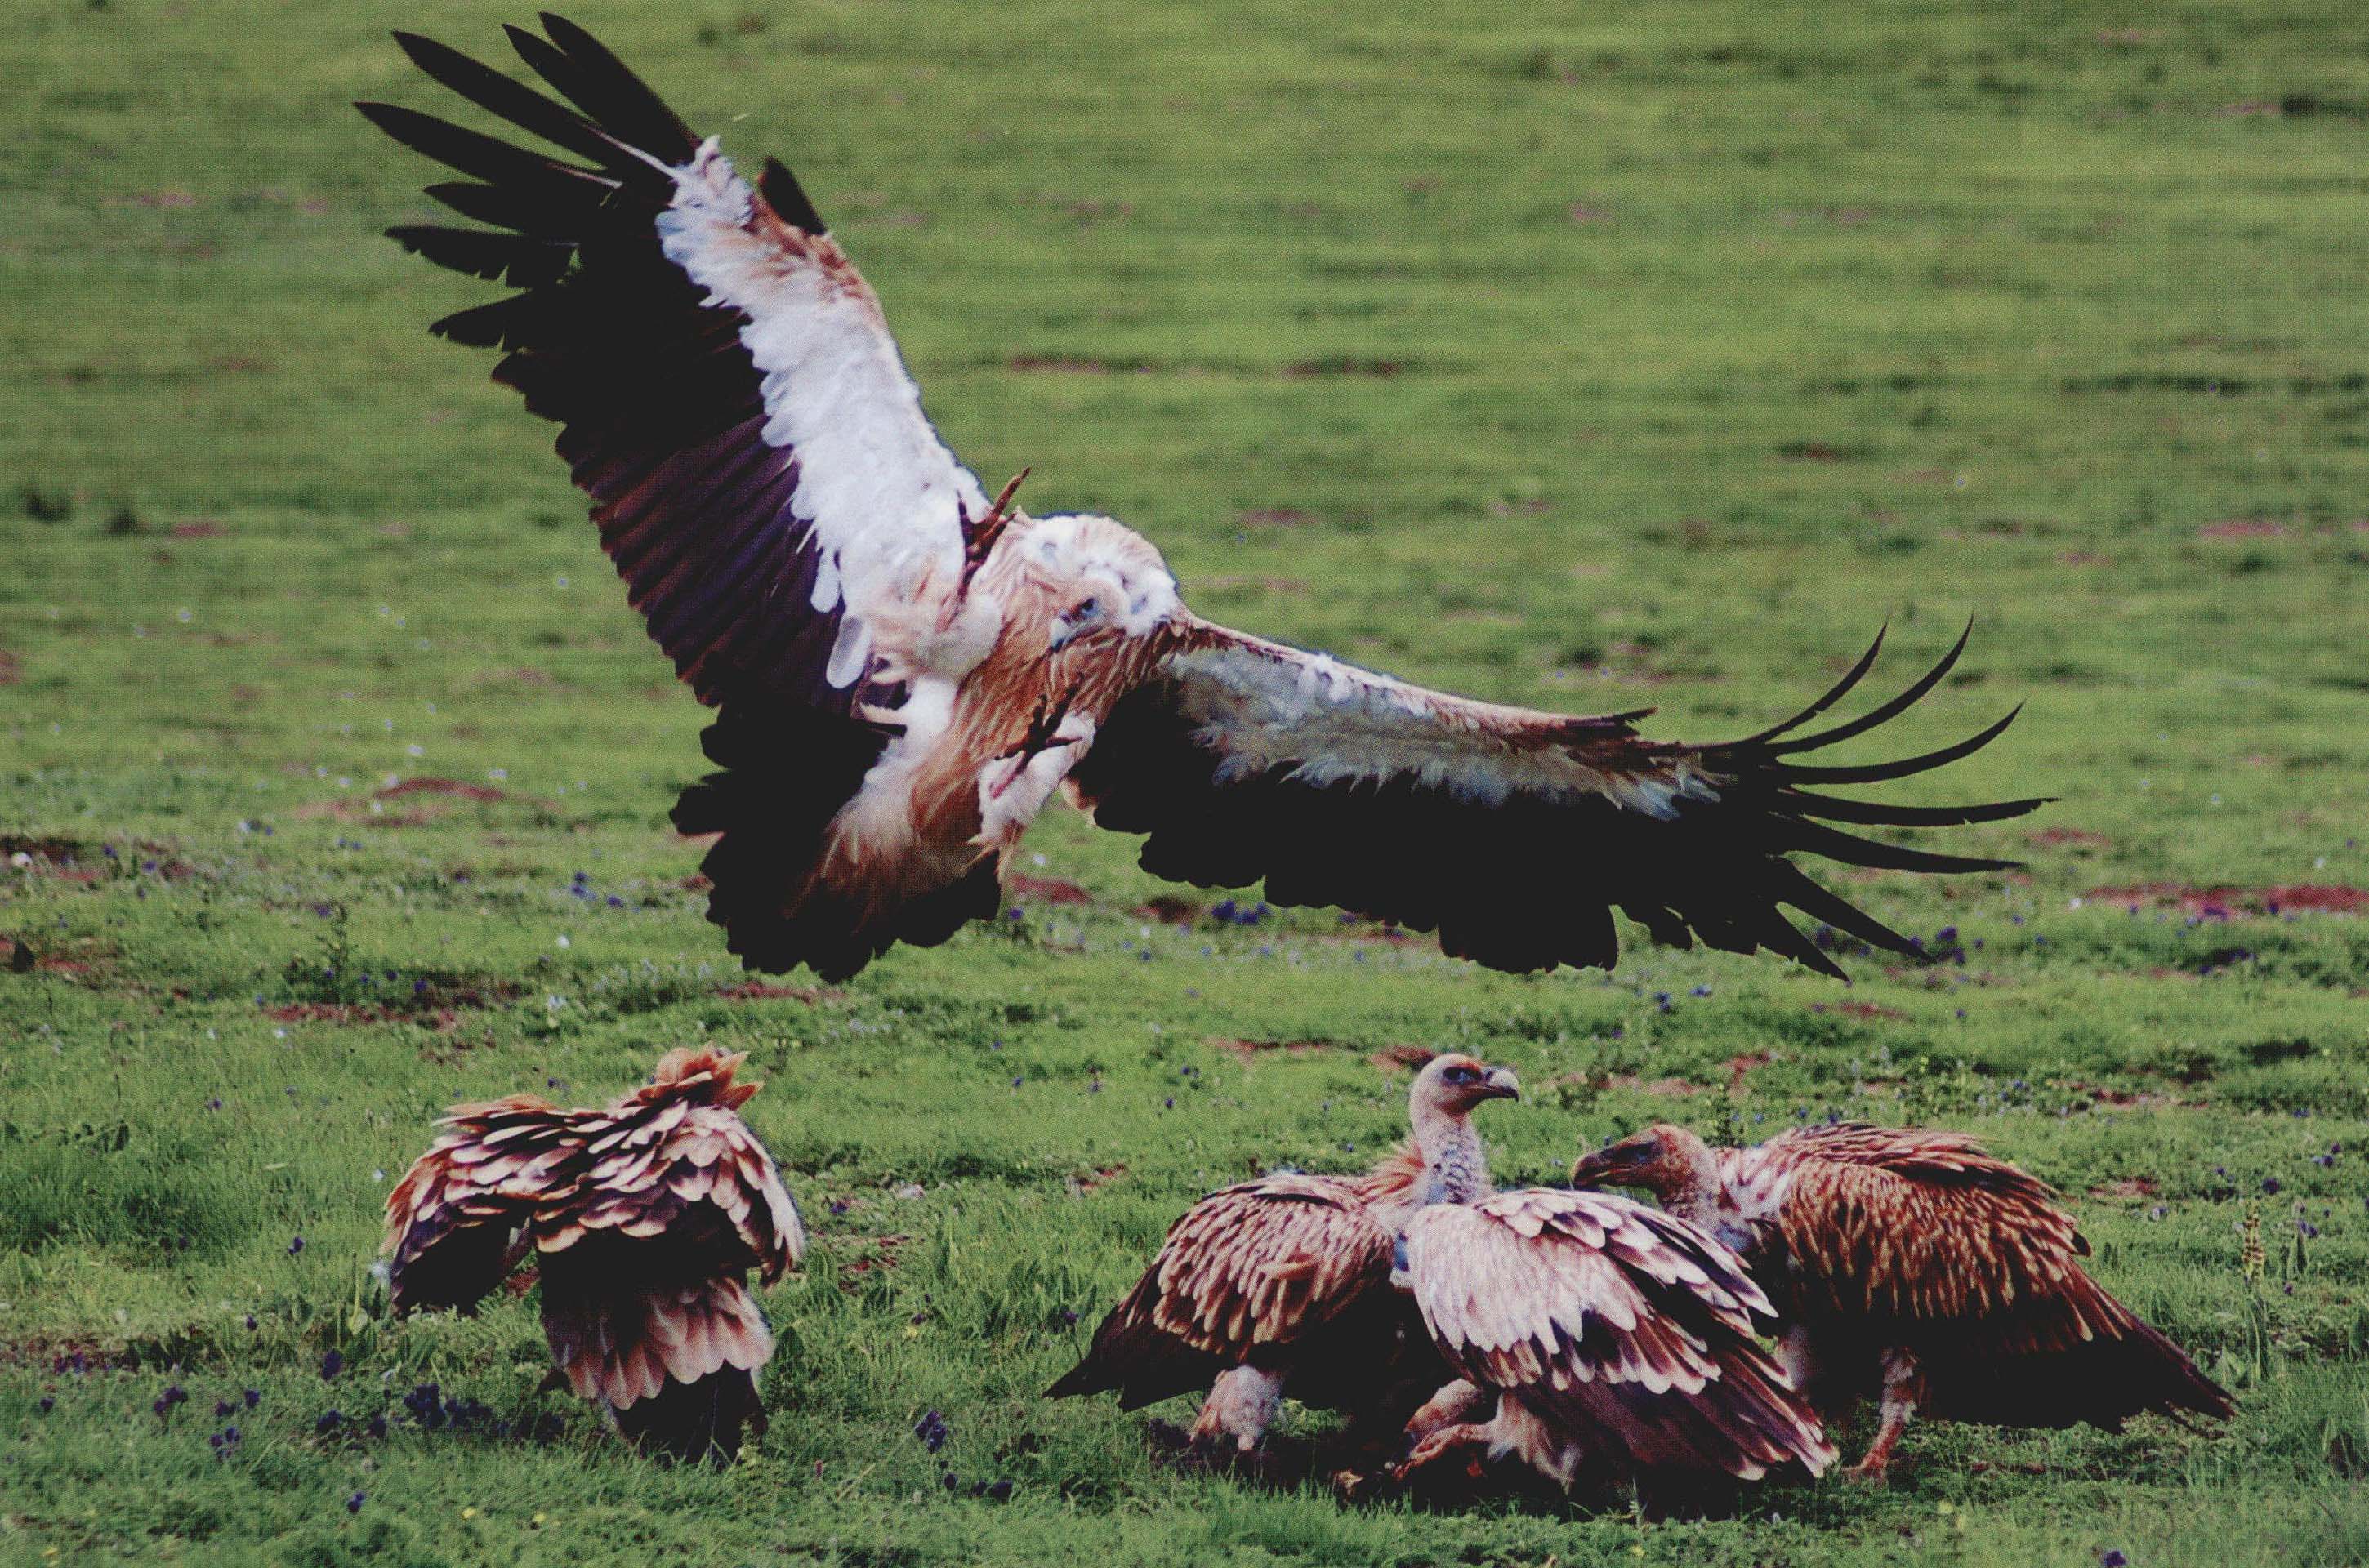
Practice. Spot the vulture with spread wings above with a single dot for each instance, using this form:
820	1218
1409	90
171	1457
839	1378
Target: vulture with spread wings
906	667
1908	1264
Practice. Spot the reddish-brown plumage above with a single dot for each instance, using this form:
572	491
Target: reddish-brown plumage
1287	1281
646	1216
1913	1263
1605	1337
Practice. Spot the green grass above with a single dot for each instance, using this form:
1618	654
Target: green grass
1609	355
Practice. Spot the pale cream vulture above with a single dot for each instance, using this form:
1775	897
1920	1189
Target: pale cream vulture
645	1218
1283	1284
1596	1337
906	667
1908	1264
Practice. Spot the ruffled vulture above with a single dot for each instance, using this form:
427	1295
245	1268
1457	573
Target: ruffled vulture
1910	1264
645	1219
1285	1284
906	667
1593	1336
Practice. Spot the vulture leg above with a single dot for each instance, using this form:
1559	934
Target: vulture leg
1903	1385
1241	1406
1444	1441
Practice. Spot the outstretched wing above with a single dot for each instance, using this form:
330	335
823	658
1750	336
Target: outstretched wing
1619	1323
729	393
1249	1271
1512	832
450	1219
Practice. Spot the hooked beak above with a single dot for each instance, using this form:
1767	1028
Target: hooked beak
1064	632
1592	1170
1500	1084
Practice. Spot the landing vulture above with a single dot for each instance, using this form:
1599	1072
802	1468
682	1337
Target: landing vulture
905	667
1593	1336
1285	1284
1909	1263
645	1218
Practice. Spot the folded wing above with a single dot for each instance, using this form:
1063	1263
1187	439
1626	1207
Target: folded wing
1258	1273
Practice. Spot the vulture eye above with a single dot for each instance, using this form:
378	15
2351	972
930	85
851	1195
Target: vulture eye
1459	1075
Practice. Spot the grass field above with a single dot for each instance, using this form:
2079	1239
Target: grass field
1606	356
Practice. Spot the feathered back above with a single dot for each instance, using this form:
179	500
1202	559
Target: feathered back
450	1219
1921	1238
647	1216
1627	1330
659	1154
1251	1271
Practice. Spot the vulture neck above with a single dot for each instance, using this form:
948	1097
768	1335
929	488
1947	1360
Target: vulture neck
1452	1156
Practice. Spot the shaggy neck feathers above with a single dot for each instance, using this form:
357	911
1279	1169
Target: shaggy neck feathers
1452	1155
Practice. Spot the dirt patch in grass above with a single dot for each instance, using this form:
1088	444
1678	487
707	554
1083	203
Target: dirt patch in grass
1047	890
1251	1050
2227	903
1858	1009
1396	1059
1101	1176
440	787
2128	1187
758	991
1169	908
2059	837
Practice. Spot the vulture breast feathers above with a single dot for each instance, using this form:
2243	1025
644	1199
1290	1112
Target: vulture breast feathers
1613	1335
907	668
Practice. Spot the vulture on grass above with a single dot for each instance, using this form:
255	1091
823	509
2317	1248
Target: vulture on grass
1285	1284
1593	1335
1910	1264
644	1218
906	667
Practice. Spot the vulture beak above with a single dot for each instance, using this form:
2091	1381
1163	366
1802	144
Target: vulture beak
1500	1084
1064	631
1592	1170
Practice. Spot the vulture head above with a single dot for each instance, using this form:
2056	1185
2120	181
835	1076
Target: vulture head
702	1073
1453	1083
1665	1160
1101	576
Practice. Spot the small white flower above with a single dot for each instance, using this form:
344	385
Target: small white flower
416	749
563	940
182	616
498	775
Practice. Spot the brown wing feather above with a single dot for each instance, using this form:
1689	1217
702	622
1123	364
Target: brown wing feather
450	1219
1244	760
1247	1274
1921	1238
1625	1328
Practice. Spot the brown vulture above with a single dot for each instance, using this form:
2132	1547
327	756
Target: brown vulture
1285	1284
1595	1335
1909	1264
906	667
644	1218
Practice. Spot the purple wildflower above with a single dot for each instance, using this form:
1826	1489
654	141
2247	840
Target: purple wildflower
933	1430
295	1245
332	1363
354	1503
